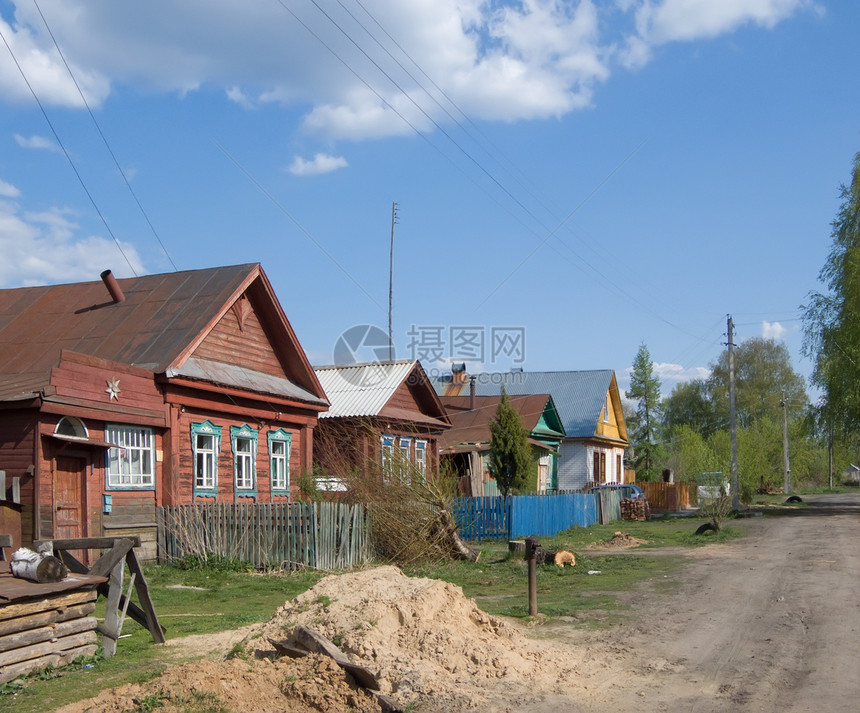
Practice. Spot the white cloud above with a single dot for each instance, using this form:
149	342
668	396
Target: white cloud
43	248
321	163
36	142
661	21
669	375
43	68
236	95
7	190
675	373
773	330
510	61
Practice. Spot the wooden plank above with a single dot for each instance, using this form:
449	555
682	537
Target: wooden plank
316	642
51	632
85	543
61	602
11	672
110	628
26	653
108	561
146	606
34	621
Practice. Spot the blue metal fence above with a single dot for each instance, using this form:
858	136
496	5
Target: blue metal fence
497	518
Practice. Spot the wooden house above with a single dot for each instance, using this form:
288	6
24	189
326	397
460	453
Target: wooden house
589	404
118	396
381	414
466	445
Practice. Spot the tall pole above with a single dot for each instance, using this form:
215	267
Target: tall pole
787	483
391	284
733	426
830	458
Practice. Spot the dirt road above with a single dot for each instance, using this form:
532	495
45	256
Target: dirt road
770	622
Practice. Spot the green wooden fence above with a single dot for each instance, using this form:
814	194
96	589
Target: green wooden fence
325	536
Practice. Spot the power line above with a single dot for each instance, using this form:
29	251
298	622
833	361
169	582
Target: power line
66	153
104	138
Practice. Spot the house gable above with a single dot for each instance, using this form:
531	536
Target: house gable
611	423
239	338
414	399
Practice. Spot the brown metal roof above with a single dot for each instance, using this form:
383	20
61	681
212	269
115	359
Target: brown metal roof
160	320
473	425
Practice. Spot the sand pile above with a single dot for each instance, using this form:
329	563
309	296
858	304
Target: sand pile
311	685
422	637
619	541
424	640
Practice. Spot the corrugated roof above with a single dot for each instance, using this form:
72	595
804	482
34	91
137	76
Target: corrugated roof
361	390
579	396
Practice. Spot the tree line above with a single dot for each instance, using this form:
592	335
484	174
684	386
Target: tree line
688	431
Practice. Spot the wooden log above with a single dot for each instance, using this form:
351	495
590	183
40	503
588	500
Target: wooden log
37	567
12	671
60	603
25	653
518	546
34	621
52	632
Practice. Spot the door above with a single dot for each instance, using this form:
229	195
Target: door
69	497
543	474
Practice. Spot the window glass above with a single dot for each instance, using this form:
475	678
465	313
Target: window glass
130	463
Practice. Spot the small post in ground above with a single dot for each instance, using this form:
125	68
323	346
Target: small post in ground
531	558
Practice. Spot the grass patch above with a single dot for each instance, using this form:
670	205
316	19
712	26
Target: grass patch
207	599
198	600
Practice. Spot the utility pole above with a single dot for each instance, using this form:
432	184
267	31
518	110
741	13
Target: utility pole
391	284
787	483
733	427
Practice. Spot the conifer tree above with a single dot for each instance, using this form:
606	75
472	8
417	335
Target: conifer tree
645	424
510	454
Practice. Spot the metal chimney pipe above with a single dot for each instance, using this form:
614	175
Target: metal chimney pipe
112	286
473	398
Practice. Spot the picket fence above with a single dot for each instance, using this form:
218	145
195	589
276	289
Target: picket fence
498	518
325	536
332	536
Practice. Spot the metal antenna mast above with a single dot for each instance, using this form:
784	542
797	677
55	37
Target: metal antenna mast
391	284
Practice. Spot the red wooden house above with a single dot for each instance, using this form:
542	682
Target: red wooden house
122	395
383	415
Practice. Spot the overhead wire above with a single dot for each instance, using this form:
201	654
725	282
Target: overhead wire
104	138
67	155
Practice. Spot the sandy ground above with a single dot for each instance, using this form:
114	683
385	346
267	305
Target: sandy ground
770	622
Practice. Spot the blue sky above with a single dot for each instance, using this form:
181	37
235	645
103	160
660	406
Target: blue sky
578	177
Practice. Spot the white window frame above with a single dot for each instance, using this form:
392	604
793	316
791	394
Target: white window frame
205	483
205	455
244	461
279	463
386	456
130	463
421	458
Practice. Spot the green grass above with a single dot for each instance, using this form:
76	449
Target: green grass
221	600
499	582
203	600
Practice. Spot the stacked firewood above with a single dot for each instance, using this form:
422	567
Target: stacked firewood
635	509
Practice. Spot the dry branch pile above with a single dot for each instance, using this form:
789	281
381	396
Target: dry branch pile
410	511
